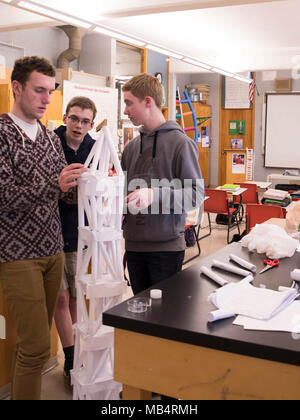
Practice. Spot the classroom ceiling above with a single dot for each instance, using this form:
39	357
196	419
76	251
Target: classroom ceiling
235	35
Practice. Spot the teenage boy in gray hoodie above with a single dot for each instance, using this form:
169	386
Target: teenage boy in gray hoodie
163	182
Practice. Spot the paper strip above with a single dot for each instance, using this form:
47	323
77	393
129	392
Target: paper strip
243	263
230	268
215	277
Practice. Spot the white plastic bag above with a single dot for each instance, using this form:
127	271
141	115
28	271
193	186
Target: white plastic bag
293	218
271	240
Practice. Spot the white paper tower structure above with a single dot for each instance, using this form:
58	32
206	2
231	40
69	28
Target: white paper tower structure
99	276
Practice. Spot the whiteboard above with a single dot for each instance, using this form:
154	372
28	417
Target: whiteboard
106	100
282	130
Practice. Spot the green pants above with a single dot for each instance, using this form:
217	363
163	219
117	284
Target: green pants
30	288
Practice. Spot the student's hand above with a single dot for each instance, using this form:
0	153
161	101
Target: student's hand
69	176
110	170
140	199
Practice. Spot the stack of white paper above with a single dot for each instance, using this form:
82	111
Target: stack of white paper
287	320
244	299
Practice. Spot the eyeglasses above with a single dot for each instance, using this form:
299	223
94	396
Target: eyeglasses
75	120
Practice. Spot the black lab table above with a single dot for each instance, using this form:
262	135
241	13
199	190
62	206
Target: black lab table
172	350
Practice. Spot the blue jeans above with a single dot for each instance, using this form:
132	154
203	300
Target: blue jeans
149	268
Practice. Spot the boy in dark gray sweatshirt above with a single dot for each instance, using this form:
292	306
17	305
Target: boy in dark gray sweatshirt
164	181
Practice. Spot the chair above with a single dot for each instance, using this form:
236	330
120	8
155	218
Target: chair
193	222
250	196
295	195
259	213
218	203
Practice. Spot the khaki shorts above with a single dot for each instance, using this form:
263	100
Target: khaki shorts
68	281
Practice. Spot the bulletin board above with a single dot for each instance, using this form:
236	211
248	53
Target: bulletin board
282	130
106	100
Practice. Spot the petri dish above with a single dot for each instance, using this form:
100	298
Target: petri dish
139	305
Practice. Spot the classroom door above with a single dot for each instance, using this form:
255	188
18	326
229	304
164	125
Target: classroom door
239	142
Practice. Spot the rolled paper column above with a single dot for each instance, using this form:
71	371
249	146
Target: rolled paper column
295	275
220	314
214	276
243	263
230	268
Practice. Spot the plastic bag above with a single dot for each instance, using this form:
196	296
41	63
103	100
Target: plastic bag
271	240
293	218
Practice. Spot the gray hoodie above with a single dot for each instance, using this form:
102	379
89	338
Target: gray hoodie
167	161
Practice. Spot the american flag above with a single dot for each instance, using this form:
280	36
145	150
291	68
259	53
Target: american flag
251	91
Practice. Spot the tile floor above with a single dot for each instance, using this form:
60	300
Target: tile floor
53	387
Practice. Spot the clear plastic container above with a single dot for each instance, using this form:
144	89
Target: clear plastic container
139	305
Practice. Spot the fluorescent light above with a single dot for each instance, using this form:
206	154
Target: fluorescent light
165	52
119	36
197	63
223	72
54	14
242	79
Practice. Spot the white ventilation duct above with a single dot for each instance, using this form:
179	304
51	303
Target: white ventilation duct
75	36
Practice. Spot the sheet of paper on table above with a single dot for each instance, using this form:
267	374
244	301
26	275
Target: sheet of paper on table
287	320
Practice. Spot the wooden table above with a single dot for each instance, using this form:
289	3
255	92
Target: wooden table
172	350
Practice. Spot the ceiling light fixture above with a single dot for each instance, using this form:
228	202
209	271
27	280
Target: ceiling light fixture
242	79
47	11
222	72
197	63
119	36
164	51
92	26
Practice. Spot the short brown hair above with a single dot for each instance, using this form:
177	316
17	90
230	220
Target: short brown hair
82	102
25	66
144	85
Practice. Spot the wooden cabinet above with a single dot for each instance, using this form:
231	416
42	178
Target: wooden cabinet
54	110
201	111
226	175
230	176
6	98
165	111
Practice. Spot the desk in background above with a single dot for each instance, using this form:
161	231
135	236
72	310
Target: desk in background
172	350
239	191
260	184
283	179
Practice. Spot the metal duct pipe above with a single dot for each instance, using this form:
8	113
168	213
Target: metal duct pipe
75	36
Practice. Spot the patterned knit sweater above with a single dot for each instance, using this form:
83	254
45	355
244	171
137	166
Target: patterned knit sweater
29	192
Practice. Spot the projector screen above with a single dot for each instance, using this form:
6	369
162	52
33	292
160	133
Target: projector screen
282	130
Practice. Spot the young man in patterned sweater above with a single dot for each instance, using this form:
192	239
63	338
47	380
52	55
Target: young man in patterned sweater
33	177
